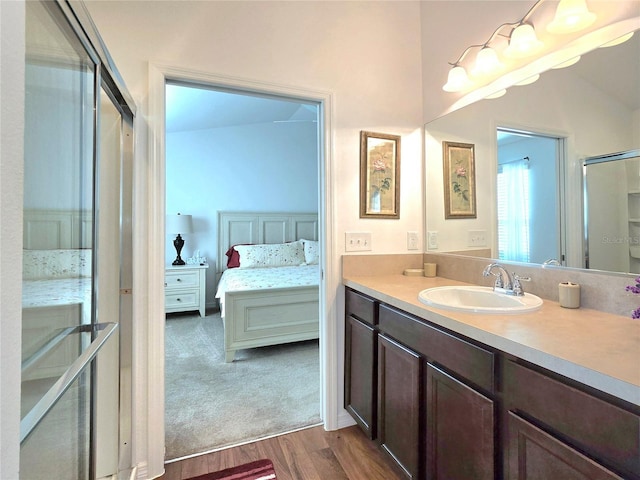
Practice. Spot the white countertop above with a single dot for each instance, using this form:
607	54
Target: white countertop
598	349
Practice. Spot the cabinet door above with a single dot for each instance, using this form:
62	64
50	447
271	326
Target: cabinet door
399	399
533	454
360	374
460	430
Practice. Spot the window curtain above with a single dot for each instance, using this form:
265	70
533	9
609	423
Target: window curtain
513	211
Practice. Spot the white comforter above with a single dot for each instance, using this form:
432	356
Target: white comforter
238	279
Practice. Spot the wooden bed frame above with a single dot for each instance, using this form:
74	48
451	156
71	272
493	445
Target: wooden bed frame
257	318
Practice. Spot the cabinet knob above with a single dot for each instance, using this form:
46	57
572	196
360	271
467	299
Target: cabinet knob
178	279
178	299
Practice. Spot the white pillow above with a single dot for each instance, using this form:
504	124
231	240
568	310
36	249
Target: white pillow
311	252
271	255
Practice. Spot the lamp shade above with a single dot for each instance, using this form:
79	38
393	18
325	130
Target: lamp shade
457	80
178	224
523	42
487	62
571	16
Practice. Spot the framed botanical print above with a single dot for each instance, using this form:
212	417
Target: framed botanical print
379	175
459	180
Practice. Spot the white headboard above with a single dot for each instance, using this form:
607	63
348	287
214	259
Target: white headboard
57	229
262	227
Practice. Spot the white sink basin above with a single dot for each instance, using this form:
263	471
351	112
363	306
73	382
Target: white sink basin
473	299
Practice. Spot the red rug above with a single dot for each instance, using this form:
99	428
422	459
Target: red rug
258	470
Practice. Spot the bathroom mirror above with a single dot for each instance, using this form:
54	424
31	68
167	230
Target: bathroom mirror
591	108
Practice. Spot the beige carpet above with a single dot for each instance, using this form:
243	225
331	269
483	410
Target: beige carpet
210	404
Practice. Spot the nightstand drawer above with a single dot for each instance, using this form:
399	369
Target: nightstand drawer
189	279
182	300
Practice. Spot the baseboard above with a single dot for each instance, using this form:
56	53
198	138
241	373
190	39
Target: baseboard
140	472
128	474
344	419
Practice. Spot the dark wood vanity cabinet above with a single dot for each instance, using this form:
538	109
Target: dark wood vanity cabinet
446	407
400	405
361	339
415	389
561	430
533	454
460	429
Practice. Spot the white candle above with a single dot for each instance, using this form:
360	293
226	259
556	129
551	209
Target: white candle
569	295
430	269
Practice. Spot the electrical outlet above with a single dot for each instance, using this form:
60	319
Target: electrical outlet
477	238
357	241
412	240
432	240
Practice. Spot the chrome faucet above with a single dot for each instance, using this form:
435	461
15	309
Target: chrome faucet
551	261
505	283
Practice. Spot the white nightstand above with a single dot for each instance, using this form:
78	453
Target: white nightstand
184	288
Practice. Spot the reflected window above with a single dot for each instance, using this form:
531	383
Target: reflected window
513	211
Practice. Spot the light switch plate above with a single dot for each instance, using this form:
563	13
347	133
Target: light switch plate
412	240
432	240
477	238
357	241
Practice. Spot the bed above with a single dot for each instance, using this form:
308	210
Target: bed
56	297
268	279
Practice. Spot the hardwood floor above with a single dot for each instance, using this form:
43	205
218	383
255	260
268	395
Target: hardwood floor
309	454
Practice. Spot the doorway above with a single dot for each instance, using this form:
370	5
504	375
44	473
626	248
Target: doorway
529	203
229	149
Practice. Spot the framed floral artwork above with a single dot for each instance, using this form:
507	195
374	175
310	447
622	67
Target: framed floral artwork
379	175
459	180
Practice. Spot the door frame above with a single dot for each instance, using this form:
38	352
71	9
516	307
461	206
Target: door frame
569	184
152	263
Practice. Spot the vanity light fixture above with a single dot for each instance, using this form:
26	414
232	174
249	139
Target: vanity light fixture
618	40
528	81
457	80
568	63
570	16
487	62
498	94
523	42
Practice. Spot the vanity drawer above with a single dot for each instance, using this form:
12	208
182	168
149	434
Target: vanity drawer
188	279
606	431
458	356
360	307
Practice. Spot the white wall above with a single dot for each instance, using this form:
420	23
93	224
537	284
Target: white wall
12	46
259	167
366	55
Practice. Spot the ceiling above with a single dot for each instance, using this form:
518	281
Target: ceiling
192	107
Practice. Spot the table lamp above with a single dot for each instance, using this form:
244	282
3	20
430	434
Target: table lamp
177	225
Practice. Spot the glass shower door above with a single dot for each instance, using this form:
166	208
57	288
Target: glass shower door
78	151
